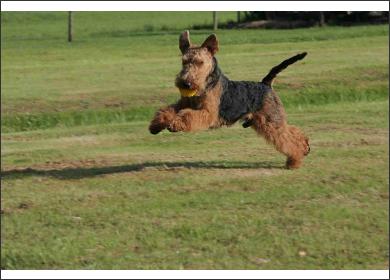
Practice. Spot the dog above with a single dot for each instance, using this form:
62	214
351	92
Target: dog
211	100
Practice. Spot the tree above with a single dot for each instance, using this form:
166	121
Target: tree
322	19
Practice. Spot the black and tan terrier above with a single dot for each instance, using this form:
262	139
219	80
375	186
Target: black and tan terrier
211	100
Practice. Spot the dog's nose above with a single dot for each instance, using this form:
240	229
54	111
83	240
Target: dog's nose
186	84
183	83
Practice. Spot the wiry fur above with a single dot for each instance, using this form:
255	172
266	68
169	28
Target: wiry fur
220	101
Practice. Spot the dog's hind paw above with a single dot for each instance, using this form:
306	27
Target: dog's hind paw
247	123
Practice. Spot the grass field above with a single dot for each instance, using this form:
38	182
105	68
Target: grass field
85	186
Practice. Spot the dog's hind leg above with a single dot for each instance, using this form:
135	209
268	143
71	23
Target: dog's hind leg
271	123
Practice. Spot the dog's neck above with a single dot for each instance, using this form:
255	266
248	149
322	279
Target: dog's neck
214	76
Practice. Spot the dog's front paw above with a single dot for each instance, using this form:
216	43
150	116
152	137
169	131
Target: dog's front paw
176	125
161	120
156	128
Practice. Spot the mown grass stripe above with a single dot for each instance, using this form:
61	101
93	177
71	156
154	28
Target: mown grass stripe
306	97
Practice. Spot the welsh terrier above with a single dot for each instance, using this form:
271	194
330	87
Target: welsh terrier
210	100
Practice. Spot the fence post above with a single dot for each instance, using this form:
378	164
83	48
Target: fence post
70	26
215	21
322	19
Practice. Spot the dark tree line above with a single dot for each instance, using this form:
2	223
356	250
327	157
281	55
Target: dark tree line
321	18
269	19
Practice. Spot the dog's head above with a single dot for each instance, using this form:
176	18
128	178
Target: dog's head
197	62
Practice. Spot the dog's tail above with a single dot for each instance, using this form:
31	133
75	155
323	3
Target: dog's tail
277	69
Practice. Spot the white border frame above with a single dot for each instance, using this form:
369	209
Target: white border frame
194	5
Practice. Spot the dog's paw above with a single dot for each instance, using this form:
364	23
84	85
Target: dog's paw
307	151
247	123
293	163
155	128
176	125
173	128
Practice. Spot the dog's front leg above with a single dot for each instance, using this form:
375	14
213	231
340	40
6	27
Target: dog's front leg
191	120
162	119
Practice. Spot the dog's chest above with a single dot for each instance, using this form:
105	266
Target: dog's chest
240	98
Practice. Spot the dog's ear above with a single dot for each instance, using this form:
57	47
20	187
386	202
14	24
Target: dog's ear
184	41
211	43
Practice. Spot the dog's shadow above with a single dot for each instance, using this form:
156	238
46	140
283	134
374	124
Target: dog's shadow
81	172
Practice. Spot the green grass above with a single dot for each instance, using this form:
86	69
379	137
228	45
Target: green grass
85	186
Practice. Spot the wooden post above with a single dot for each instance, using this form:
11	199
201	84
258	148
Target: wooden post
70	26
238	17
215	21
322	19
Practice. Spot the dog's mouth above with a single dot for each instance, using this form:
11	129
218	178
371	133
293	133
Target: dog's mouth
186	89
188	92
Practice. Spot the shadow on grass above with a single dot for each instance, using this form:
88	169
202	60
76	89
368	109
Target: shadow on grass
80	172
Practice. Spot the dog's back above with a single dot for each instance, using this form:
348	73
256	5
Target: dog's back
240	98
